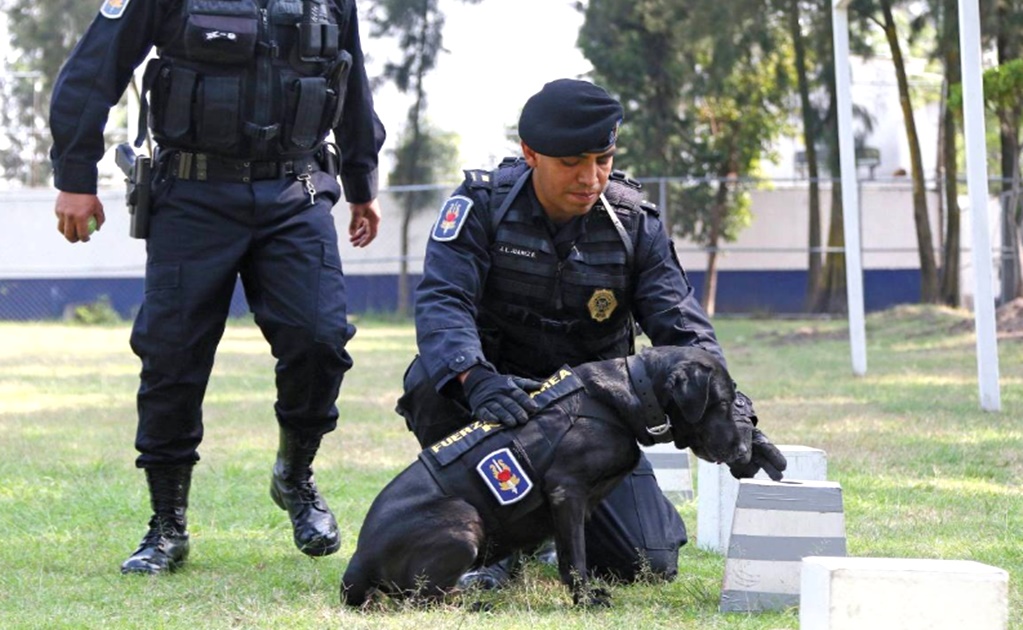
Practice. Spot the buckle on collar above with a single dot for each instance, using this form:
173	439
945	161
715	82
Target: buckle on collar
660	429
656	421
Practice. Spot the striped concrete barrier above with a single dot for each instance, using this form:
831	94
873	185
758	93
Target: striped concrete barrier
716	490
673	469
776	525
841	593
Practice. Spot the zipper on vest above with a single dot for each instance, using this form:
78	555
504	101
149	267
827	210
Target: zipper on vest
265	70
558	302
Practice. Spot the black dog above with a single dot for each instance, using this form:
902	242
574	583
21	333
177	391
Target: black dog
453	509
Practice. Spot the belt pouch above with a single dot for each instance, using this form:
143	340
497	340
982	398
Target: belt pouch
177	111
312	95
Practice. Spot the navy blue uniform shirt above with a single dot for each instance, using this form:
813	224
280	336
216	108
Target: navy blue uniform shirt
455	273
101	65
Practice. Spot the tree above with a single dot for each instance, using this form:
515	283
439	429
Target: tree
43	32
924	238
811	132
1003	92
703	85
423	154
1009	109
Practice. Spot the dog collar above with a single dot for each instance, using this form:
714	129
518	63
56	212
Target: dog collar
657	424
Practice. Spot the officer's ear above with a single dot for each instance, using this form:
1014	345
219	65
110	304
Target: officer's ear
529	154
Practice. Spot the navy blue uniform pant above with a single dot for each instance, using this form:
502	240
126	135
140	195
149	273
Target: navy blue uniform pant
203	237
636	526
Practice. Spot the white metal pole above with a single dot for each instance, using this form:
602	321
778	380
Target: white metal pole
850	192
976	180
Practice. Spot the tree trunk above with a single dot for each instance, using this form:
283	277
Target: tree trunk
813	265
710	283
1008	45
833	298
924	239
951	262
950	289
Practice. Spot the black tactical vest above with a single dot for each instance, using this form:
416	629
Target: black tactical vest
540	311
255	79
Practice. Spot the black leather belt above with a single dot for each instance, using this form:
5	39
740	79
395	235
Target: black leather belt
213	168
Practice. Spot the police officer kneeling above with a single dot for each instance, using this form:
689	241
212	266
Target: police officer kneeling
550	259
240	99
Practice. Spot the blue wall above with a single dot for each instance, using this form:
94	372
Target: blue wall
763	291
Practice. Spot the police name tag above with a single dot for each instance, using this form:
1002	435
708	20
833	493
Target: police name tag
113	9
452	217
504	476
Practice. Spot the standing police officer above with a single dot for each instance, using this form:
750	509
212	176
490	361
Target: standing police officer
545	261
240	98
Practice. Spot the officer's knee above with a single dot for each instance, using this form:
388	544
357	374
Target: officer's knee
649	565
659	564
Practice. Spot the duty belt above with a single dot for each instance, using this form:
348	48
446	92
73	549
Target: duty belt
213	168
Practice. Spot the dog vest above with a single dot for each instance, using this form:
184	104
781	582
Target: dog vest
497	470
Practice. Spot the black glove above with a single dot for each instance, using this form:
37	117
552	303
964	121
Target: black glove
497	397
765	455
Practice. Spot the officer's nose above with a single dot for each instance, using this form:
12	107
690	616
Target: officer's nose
588	174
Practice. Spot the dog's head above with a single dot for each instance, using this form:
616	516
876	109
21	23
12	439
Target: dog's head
698	397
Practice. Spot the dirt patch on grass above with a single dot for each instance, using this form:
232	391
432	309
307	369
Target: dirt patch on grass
1008	321
913	320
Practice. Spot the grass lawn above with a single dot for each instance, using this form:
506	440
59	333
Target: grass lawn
925	473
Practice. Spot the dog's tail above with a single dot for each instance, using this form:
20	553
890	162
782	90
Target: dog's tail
355	585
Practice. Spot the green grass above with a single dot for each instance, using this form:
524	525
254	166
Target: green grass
924	472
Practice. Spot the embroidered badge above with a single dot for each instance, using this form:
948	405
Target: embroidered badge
113	9
504	476
602	303
452	217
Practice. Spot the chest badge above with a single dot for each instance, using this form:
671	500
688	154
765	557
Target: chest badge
504	476
602	303
452	217
113	9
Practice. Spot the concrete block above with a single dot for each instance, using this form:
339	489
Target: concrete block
673	469
716	490
776	525
902	594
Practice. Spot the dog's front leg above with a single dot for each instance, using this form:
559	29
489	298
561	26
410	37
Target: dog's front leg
569	513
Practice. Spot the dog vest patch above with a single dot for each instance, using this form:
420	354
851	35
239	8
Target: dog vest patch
504	476
561	384
458	443
452	217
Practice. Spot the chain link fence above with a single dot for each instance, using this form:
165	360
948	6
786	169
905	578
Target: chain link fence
764	270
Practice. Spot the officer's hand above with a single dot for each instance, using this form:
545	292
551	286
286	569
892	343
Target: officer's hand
73	212
497	397
765	456
362	229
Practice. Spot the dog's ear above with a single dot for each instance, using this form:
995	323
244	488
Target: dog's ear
691	389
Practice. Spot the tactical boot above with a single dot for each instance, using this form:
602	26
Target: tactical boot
493	576
292	488
165	546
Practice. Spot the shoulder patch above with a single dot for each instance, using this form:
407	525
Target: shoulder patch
113	9
452	217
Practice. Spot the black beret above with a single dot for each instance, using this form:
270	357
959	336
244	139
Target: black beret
570	117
